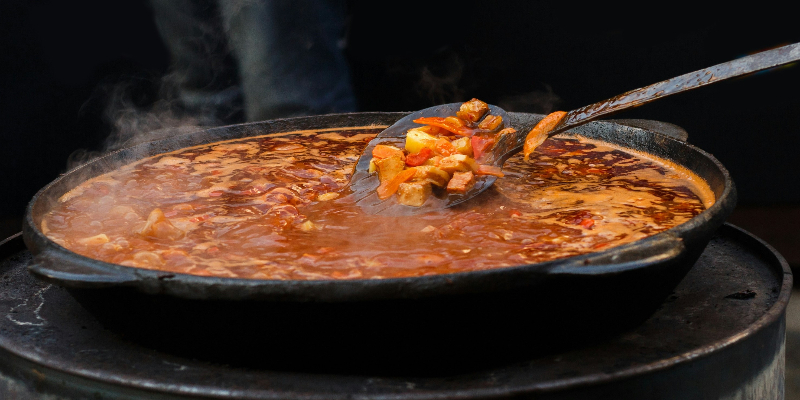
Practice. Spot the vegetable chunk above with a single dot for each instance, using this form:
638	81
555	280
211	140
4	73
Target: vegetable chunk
538	134
437	151
461	182
434	175
413	193
416	140
388	168
458	163
158	226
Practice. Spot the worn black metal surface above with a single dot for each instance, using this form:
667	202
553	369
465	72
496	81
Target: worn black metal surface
702	343
579	298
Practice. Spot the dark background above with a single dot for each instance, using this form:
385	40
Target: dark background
61	60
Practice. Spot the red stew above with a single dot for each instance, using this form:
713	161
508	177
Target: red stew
236	209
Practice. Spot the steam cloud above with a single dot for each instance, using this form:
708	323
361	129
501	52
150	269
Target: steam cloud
130	122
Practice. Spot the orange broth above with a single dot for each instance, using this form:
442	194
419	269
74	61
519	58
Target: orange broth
236	209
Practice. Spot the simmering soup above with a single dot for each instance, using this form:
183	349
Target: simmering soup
240	209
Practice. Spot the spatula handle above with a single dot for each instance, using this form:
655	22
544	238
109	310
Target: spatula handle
634	98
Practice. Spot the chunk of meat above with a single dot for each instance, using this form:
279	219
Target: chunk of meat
480	145
491	122
461	182
158	226
434	175
413	193
281	196
457	163
472	110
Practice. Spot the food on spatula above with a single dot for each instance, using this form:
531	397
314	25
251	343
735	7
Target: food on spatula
444	155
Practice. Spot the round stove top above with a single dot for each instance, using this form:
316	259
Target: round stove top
721	330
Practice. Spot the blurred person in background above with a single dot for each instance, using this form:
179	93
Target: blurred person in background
269	59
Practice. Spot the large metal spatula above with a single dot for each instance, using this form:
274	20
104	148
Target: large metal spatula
363	183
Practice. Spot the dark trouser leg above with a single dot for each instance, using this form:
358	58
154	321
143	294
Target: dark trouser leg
203	71
289	56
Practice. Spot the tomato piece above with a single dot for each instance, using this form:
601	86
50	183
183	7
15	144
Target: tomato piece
388	188
489	170
480	145
515	213
450	124
444	147
587	223
384	151
435	130
417	159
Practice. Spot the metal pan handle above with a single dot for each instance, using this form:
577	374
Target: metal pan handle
656	250
78	274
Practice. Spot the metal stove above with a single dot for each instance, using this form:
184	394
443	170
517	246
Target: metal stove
720	335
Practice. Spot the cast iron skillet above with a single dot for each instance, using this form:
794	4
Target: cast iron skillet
435	324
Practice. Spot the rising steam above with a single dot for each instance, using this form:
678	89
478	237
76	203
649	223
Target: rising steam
131	120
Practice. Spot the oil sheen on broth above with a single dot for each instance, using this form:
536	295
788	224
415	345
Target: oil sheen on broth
236	209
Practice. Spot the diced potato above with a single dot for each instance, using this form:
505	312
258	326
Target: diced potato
413	193
388	168
94	240
434	175
458	163
433	161
307	226
159	226
372	166
463	146
461	182
148	259
327	196
416	140
120	211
